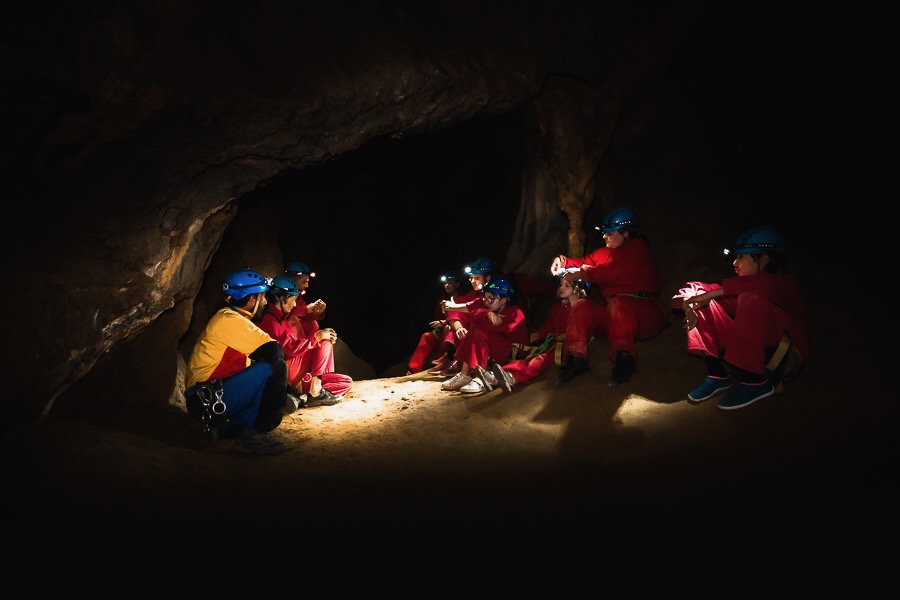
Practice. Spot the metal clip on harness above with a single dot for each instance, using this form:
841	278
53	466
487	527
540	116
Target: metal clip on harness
211	398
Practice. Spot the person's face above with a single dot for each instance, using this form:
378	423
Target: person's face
477	281
565	289
492	301
302	282
614	239
288	303
451	286
746	264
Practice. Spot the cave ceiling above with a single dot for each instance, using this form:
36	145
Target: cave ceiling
132	131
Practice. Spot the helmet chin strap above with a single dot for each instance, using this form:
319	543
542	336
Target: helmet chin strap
247	313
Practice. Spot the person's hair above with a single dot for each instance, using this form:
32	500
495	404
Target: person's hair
777	261
580	288
242	303
276	296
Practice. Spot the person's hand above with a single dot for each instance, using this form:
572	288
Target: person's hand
690	318
461	333
556	267
317	307
326	335
436	325
495	319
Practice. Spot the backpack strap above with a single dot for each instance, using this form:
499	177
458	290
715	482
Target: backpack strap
777	357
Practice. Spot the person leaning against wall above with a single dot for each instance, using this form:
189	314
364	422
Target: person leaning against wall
236	377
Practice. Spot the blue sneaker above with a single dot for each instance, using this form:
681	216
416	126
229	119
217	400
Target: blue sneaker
709	388
746	394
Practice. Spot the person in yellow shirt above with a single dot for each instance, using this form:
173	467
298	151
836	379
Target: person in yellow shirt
237	379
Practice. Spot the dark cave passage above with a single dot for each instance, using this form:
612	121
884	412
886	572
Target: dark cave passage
379	225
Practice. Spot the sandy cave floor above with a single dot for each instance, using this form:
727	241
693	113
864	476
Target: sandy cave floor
580	470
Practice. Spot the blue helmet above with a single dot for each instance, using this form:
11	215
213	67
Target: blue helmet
449	276
580	285
758	239
296	267
245	282
283	283
480	266
619	218
501	287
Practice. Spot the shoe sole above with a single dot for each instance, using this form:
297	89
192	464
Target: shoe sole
497	370
707	397
482	375
745	404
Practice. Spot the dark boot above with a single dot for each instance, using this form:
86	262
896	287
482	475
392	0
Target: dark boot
574	366
623	369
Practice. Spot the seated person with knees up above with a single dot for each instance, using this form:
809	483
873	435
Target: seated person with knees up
625	273
740	326
237	379
479	271
308	314
438	328
492	331
310	359
548	338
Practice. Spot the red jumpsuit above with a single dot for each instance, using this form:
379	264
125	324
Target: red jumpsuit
526	369
753	314
310	323
430	340
472	300
632	309
485	341
302	353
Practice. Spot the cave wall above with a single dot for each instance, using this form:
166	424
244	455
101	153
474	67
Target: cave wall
132	133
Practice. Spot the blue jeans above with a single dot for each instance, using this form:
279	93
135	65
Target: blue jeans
242	394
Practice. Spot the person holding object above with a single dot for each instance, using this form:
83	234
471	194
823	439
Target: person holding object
309	359
624	272
236	381
438	328
308	314
738	326
456	314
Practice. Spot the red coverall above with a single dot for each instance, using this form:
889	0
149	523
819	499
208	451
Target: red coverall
472	299
486	341
302	354
430	340
632	310
526	369
752	315
310	323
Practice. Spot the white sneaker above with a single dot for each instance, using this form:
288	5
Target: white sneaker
456	382
473	387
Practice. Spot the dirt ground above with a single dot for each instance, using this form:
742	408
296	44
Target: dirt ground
628	487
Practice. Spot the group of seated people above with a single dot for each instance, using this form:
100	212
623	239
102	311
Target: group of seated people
750	330
260	355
